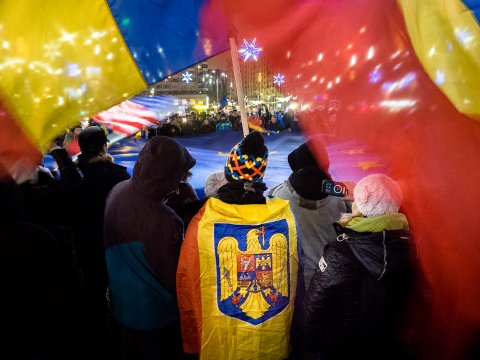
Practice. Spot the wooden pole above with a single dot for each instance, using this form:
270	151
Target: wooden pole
238	85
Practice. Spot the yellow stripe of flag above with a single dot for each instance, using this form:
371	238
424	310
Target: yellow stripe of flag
446	37
60	61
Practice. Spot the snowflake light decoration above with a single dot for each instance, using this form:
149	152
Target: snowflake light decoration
279	79
249	50
187	77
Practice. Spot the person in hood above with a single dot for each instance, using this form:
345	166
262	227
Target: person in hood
143	237
315	211
357	299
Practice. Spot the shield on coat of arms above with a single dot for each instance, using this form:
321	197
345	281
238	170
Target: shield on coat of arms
253	274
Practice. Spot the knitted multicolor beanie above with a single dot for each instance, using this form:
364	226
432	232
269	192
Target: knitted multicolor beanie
248	159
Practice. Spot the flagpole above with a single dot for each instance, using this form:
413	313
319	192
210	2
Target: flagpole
238	85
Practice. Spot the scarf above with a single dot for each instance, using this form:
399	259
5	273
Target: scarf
380	223
242	193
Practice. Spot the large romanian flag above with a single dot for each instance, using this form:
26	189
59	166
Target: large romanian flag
403	74
64	60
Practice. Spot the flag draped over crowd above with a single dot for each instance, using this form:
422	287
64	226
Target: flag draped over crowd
405	72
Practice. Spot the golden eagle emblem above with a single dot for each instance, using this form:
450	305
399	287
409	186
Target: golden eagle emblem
253	284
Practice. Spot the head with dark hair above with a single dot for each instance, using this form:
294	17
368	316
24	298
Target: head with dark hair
92	141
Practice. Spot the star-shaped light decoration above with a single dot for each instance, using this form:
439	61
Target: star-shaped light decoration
249	50
279	79
187	77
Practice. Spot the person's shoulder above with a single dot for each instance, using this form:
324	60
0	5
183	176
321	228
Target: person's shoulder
280	191
121	170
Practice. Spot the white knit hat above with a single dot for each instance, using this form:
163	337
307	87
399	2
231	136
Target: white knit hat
214	182
377	194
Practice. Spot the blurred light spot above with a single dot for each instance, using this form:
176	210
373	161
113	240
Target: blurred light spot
289	54
93	70
97	49
439	77
67	37
370	53
98	34
310	63
329	85
464	36
391	86
314	78
207	46
396	105
362	30
353	60
5	44
431	52
349	46
88	41
337	79
320	57
375	76
73	70
395	54
109	56
322	80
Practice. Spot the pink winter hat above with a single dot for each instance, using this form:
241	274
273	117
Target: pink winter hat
376	195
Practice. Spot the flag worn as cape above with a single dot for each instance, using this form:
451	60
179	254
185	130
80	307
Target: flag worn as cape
236	280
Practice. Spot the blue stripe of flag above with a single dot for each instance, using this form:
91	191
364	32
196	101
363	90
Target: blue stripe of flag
162	35
474	6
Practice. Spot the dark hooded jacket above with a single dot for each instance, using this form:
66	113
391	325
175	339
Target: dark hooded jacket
36	289
356	301
143	237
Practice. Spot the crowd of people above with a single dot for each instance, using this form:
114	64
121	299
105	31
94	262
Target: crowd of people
118	267
202	123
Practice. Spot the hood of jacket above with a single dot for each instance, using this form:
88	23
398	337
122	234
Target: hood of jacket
380	252
160	167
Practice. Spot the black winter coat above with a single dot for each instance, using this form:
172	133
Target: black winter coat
87	204
37	302
356	301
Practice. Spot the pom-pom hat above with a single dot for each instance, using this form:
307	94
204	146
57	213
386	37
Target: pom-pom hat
376	195
248	159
